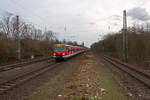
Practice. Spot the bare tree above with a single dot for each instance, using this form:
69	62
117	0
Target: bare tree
39	34
5	24
49	35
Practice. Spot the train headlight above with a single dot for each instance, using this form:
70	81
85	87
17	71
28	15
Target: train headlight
54	54
63	54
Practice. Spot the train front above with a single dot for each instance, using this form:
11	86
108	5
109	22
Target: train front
60	51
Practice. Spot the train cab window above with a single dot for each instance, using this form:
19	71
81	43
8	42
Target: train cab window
69	50
59	48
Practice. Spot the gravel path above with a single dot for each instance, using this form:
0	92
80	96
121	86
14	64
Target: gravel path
83	85
88	83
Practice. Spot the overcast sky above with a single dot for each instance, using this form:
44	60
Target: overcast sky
84	20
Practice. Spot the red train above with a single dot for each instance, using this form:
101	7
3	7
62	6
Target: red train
63	51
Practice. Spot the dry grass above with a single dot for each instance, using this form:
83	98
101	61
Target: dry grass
108	82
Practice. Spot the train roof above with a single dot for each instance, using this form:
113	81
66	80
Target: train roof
69	45
63	44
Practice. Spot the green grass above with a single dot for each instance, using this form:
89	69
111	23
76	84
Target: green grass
107	81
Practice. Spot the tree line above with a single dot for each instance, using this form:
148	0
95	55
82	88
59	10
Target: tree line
33	40
138	44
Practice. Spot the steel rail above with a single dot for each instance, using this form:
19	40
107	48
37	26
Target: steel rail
12	83
138	74
21	64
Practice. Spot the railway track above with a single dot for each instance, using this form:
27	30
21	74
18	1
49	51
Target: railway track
13	66
138	74
14	82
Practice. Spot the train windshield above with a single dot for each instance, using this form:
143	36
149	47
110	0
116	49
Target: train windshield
59	48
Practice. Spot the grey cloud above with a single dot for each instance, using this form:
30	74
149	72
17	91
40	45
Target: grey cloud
116	17
139	14
72	36
78	14
115	24
92	23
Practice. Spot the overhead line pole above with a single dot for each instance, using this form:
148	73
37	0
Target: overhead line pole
18	51
125	37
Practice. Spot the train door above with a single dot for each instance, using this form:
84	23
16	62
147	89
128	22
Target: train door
69	50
